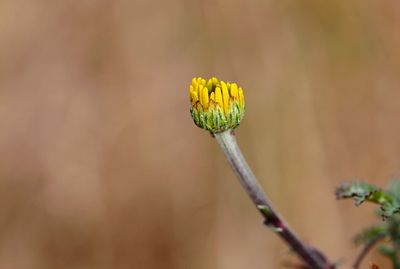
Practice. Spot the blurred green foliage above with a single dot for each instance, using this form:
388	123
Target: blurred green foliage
389	226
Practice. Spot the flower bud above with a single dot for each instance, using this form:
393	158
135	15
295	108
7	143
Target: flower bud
216	105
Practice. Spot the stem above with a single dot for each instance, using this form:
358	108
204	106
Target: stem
365	251
313	258
394	235
395	260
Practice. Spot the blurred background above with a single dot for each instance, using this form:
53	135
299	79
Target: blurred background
101	165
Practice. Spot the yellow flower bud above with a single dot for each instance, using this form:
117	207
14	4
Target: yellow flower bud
216	105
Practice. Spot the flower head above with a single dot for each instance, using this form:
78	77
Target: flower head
216	105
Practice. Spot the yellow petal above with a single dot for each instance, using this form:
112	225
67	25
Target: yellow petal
212	96
195	87
200	88
218	97
215	81
191	91
225	97
223	84
209	84
205	98
194	97
234	91
241	97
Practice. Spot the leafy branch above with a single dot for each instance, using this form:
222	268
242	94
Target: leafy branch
360	192
389	205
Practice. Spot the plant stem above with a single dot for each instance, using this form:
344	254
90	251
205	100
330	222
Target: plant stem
395	259
365	251
313	258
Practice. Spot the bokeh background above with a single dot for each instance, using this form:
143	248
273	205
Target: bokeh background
102	167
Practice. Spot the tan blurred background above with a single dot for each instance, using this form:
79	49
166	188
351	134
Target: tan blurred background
102	167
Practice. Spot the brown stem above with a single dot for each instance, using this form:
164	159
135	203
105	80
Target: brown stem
313	258
365	250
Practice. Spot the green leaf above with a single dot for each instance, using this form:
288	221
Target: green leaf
370	234
386	250
360	192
